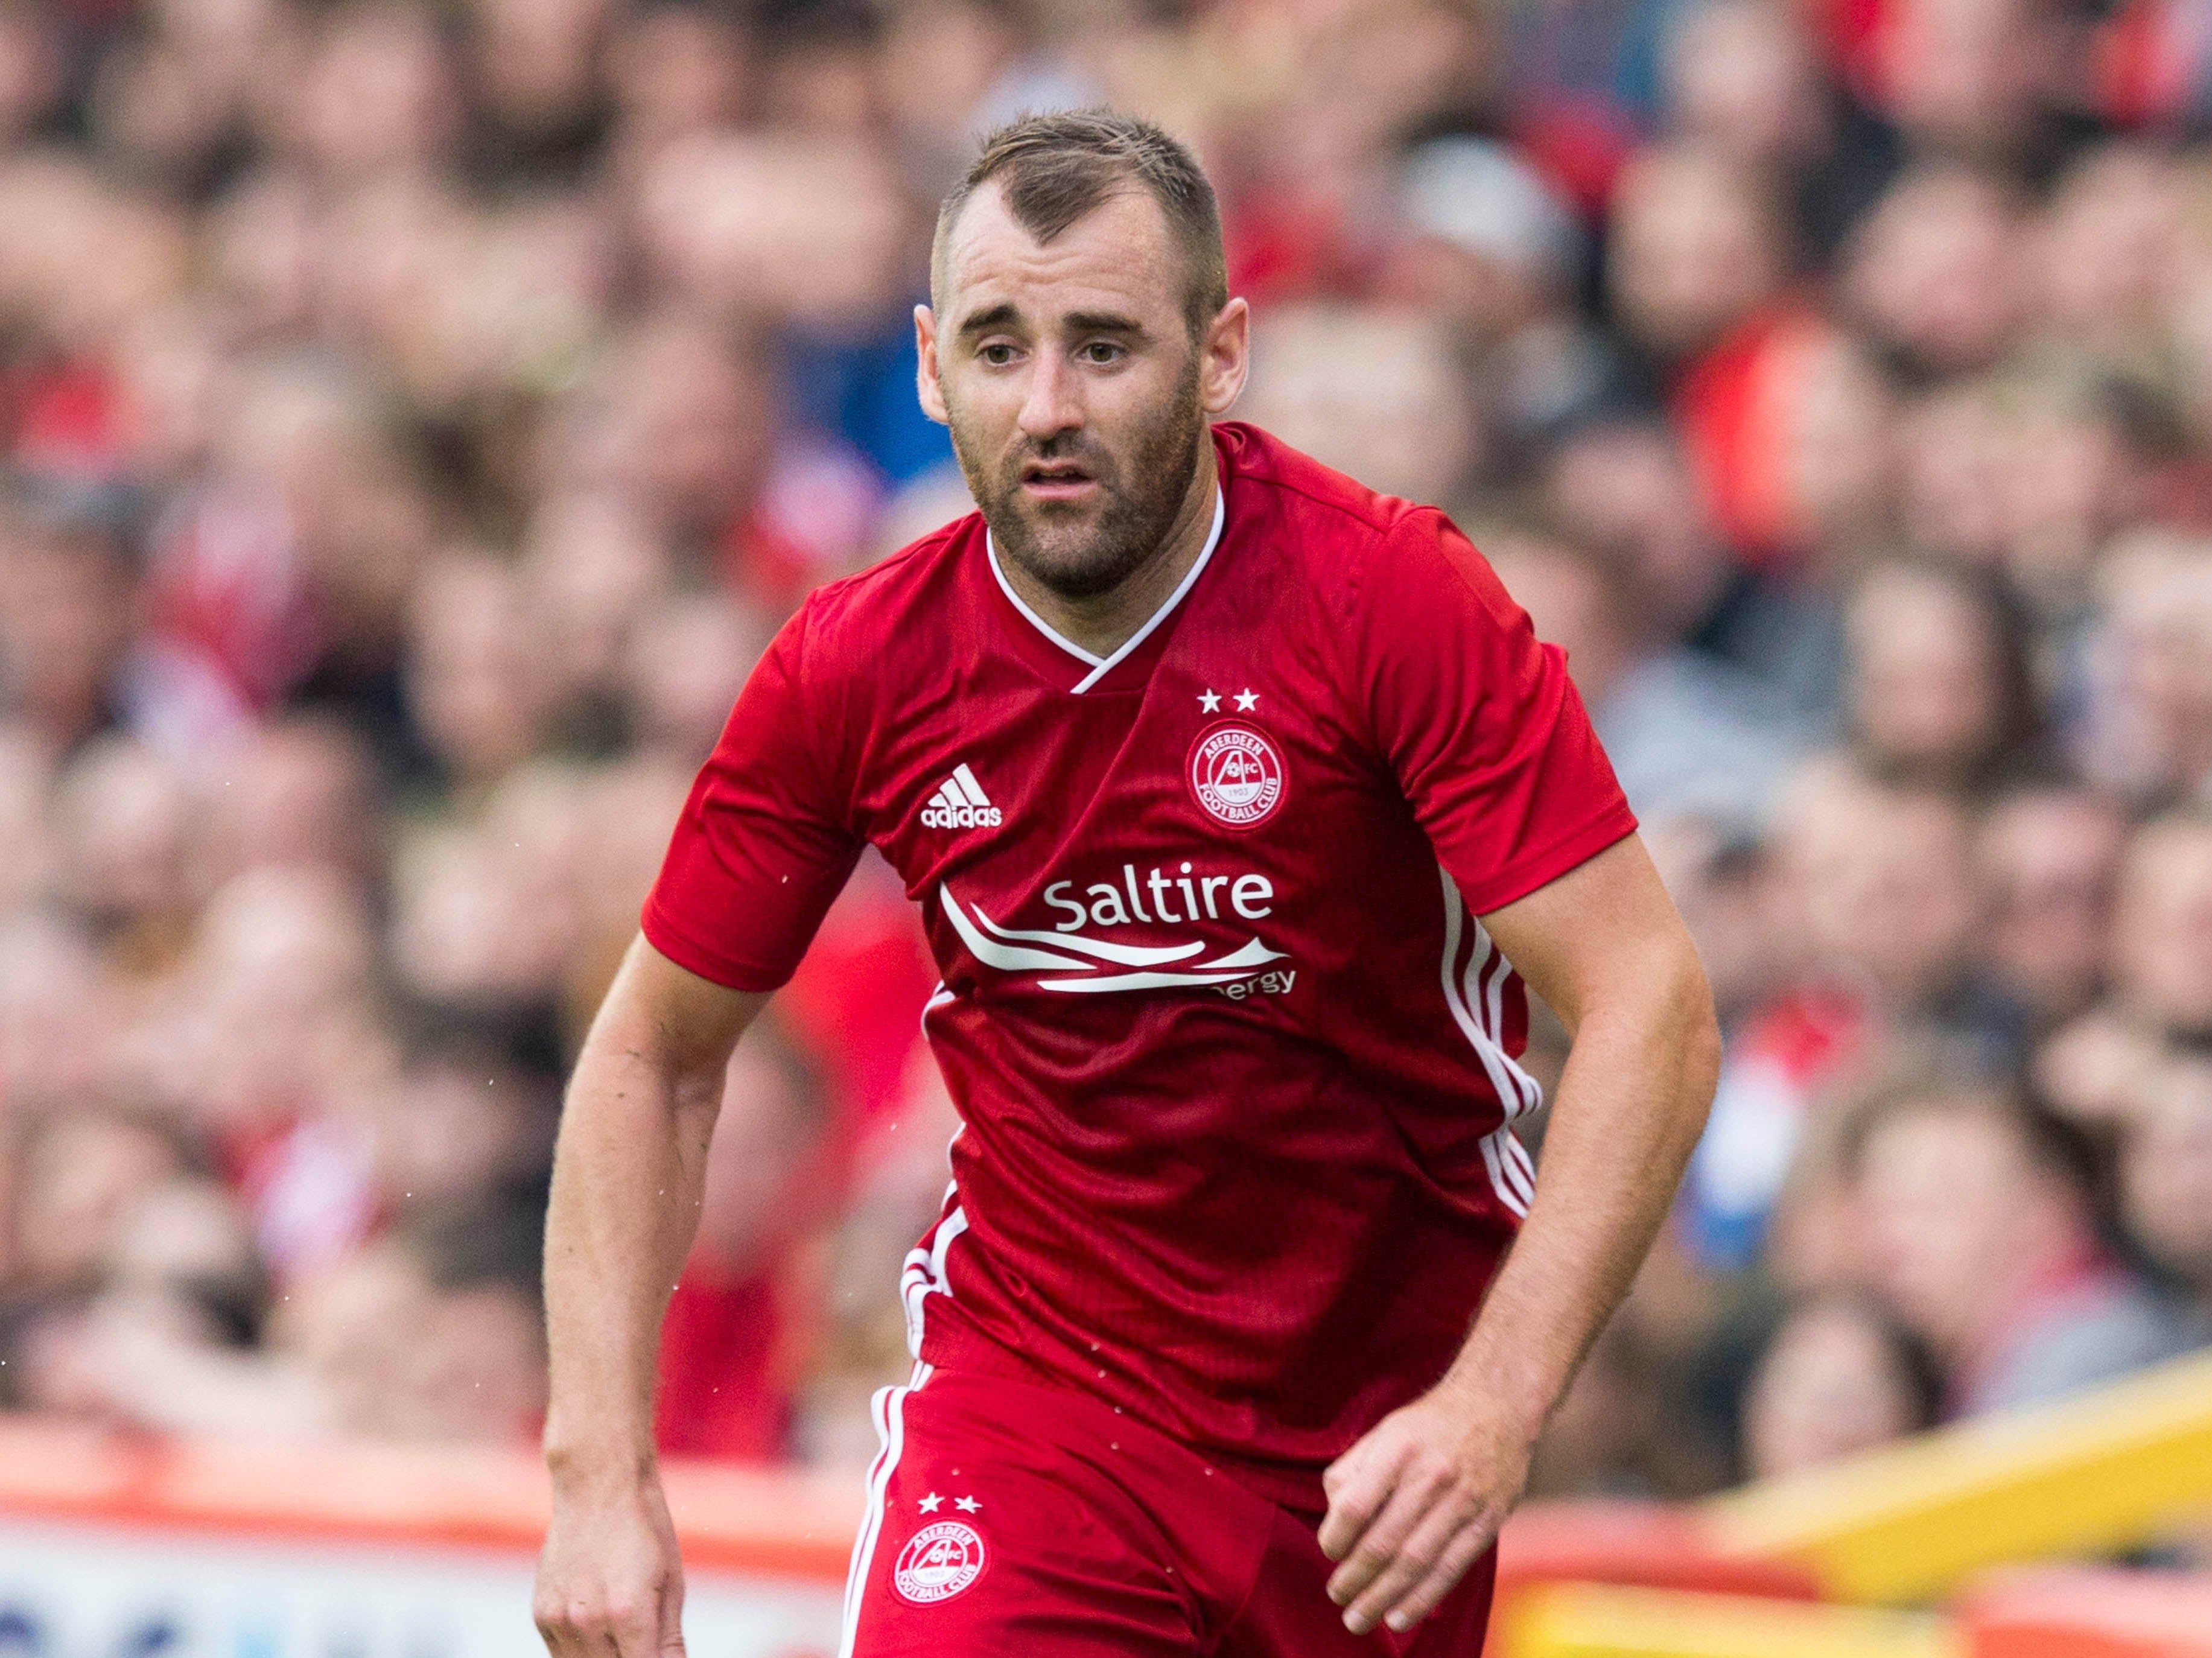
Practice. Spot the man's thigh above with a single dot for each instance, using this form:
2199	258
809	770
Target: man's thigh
1005	1520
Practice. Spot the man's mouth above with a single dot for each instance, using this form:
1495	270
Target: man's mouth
1056	480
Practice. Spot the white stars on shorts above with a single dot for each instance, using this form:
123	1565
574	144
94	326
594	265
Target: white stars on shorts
933	1503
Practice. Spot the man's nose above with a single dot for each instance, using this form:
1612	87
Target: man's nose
1054	406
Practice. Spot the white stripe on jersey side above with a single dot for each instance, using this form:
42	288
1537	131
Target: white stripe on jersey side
1506	1176
968	785
939	997
924	1274
1488	961
1517	1159
1509	1161
1513	1084
1483	996
889	1409
1507	1192
1102	666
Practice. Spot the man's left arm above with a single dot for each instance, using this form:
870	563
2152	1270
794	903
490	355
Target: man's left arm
1414	1503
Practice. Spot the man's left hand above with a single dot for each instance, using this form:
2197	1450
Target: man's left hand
1415	1503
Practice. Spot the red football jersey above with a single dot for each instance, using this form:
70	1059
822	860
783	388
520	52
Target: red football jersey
1235	1060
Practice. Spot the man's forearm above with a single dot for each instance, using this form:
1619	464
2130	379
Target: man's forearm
627	1182
627	1175
1628	1112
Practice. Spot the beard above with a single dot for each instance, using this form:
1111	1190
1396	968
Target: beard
1080	552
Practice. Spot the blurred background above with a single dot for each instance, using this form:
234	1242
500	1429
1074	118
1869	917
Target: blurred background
416	418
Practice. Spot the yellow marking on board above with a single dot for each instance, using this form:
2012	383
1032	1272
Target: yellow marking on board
2103	1471
1593	1621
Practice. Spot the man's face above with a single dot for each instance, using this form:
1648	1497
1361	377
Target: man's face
2162	931
1076	395
1955	1214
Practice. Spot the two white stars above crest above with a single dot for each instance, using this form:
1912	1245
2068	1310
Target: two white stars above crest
1246	701
931	1503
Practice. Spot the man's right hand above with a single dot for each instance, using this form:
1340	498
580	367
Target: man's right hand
609	1580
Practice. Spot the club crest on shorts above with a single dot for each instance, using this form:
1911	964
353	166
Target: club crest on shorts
1235	774
938	1562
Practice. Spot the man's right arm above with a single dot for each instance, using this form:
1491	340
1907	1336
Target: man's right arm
627	1175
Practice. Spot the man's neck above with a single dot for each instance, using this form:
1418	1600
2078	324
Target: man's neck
1104	623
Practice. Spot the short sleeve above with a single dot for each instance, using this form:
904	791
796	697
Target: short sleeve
1479	721
762	847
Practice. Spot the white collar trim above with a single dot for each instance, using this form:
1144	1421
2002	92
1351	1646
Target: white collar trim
1102	666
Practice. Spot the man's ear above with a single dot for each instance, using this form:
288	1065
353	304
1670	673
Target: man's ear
1225	357
926	385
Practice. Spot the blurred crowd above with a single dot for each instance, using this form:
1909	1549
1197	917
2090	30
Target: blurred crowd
415	417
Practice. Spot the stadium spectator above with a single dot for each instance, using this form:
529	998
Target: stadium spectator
1688	735
1931	268
1979	1231
1840	1376
2048	857
1938	678
1698	247
2162	950
2166	1180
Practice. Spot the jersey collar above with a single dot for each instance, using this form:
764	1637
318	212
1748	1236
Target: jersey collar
1100	666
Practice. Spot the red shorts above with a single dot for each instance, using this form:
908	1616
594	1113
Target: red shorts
1008	1518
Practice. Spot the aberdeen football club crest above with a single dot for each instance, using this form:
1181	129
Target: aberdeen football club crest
1236	774
938	1562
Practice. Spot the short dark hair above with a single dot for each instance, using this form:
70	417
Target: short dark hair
1918	1087
1055	168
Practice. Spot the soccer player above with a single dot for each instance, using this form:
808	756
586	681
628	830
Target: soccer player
1239	800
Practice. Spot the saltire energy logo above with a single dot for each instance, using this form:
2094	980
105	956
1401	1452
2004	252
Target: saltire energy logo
1075	961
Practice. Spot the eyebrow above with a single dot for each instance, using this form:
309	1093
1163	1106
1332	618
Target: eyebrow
1103	322
1082	322
983	322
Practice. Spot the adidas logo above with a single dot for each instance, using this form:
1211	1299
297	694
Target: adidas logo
960	803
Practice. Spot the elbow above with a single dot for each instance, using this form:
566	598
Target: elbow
1700	1026
1659	1007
